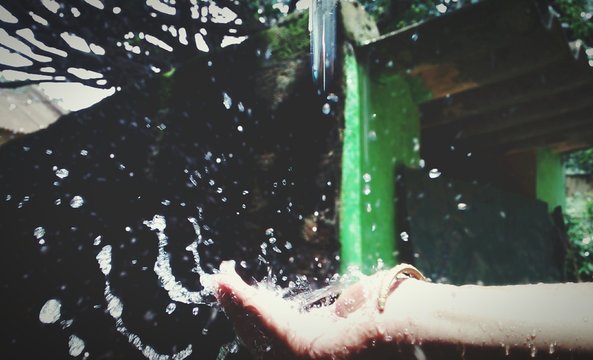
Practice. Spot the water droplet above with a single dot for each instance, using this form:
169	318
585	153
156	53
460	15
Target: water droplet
75	345
39	232
404	236
62	173
195	311
84	152
115	307
270	231
170	308
226	100
332	97
76	202
434	173
461	206
366	177
97	241
326	109
372	135
50	311
167	202
552	348
366	189
533	351
414	37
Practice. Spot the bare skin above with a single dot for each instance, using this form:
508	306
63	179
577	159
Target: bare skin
419	320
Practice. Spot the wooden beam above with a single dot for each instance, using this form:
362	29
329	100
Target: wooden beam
511	117
552	79
507	38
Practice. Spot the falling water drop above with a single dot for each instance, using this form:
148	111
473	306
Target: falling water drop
326	109
39	232
170	308
50	311
434	173
404	236
76	202
226	100
75	345
62	173
366	177
552	348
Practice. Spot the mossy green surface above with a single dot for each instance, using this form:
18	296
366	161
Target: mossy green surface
288	40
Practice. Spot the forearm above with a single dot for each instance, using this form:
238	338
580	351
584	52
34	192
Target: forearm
543	317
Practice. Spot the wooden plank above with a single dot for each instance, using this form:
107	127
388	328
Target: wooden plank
519	114
552	124
506	39
580	136
552	79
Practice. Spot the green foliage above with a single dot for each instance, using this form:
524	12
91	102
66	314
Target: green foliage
579	220
579	162
290	39
576	15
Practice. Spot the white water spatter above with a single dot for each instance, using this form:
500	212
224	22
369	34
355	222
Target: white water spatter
39	232
404	236
229	348
326	109
76	202
97	241
170	308
226	100
366	177
75	345
162	267
62	173
115	309
50	311
104	259
434	173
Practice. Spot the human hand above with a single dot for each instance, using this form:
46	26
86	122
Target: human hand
272	327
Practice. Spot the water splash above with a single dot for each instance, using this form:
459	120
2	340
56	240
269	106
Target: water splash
115	309
162	267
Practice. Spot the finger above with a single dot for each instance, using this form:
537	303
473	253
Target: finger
261	318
